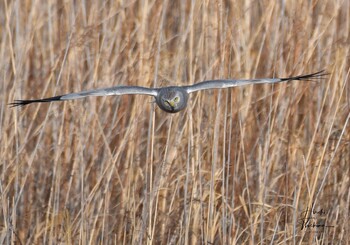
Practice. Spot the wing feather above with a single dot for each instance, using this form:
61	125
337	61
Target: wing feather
117	90
228	83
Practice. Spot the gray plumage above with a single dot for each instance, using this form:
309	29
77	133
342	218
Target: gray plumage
170	99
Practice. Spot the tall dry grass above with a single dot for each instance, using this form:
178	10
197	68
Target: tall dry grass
238	166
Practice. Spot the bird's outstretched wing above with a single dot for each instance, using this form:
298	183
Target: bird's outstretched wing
215	84
118	90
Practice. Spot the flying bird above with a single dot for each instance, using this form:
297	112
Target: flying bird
170	99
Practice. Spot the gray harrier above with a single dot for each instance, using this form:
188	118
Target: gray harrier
170	99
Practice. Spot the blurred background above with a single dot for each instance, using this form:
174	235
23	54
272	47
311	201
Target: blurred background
262	164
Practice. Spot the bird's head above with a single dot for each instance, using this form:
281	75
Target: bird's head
172	99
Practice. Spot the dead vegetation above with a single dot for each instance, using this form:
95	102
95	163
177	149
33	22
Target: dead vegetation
238	166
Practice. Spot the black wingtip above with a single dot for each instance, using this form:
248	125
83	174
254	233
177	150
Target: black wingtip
308	77
20	103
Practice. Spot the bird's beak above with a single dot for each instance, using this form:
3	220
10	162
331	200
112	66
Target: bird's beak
170	103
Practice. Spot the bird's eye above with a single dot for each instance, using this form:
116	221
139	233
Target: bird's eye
176	99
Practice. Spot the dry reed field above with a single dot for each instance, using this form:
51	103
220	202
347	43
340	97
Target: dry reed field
259	164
